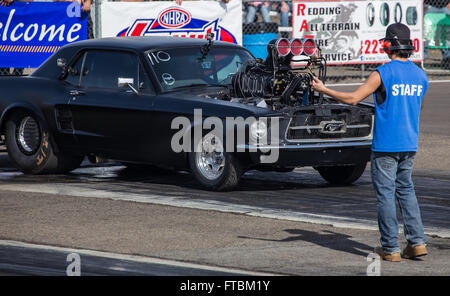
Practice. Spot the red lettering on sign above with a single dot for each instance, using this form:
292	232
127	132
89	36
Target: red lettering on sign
416	45
138	29
367	43
304	26
375	45
301	8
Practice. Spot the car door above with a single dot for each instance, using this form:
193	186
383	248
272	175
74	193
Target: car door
110	120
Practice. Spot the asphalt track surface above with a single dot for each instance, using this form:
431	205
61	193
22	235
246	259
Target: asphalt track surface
36	260
273	223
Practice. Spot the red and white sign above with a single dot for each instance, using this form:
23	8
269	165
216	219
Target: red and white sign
192	19
174	17
348	32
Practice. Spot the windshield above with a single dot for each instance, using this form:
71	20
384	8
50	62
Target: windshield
180	67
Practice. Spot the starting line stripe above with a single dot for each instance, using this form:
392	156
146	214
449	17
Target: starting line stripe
211	205
361	83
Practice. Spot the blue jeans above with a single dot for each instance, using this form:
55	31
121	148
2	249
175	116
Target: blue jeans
284	16
392	179
251	13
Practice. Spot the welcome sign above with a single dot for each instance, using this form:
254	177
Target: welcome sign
30	32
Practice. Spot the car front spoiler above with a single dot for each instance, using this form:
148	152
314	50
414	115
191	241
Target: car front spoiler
297	155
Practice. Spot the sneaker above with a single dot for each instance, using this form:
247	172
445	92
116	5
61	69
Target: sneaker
413	252
394	257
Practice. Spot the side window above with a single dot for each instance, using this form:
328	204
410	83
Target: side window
144	81
73	75
103	68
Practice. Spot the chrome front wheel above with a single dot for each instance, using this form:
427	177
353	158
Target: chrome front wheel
214	168
210	157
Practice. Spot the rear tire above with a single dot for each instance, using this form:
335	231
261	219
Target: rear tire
342	175
30	149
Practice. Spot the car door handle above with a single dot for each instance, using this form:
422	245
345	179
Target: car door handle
76	93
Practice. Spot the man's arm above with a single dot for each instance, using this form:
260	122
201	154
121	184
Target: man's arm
351	98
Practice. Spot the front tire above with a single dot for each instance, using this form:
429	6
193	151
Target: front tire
342	175
30	149
212	167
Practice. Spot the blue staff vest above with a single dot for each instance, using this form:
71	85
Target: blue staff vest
397	117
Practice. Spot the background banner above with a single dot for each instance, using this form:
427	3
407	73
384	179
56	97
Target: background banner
348	32
30	32
192	19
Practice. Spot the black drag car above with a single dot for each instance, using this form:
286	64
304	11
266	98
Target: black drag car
168	101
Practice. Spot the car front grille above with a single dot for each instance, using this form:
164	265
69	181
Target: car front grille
330	126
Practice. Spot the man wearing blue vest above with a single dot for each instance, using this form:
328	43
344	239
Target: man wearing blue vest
398	88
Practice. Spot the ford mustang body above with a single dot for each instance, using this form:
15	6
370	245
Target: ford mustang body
162	100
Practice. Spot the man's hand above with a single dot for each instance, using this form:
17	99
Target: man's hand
284	7
351	98
318	85
179	2
86	5
6	2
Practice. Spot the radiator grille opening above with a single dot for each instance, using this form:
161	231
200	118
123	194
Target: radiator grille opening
343	123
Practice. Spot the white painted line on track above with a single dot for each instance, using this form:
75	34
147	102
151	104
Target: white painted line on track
361	83
134	258
211	205
438	81
344	84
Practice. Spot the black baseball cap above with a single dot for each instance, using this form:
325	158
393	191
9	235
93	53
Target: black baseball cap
397	31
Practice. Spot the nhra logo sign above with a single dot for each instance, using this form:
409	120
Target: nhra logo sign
174	18
177	22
